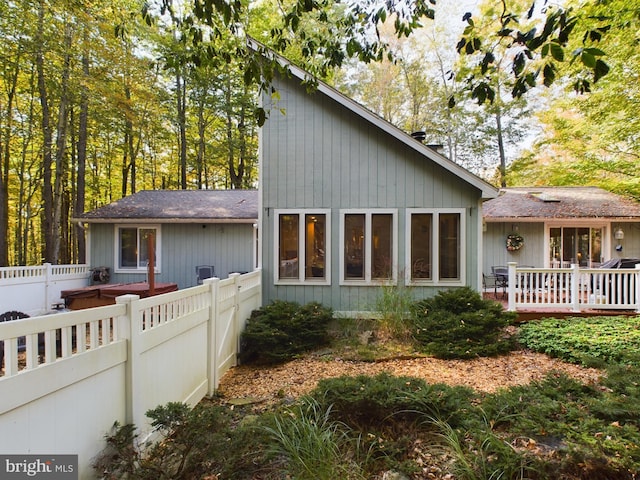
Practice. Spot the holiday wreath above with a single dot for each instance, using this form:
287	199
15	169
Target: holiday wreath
514	242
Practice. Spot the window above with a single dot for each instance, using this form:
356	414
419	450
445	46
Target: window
369	249
435	246
302	245
569	245
132	247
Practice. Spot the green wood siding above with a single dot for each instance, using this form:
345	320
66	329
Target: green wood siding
495	250
534	254
228	247
318	154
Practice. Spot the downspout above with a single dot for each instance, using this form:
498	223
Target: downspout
480	234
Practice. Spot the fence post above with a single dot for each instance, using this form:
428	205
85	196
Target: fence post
212	337
48	275
638	288
236	313
575	283
125	331
511	286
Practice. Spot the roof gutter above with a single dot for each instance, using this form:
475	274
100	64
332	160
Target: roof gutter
167	220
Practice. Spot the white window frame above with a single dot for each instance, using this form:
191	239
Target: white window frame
605	228
435	247
302	257
116	248
368	281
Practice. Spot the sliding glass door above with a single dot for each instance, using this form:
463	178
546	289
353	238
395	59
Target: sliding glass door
570	245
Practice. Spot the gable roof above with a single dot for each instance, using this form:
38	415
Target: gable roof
540	203
487	190
184	206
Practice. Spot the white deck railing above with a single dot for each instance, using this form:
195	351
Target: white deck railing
67	377
574	288
36	290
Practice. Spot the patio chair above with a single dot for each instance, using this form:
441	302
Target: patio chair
488	282
203	272
501	275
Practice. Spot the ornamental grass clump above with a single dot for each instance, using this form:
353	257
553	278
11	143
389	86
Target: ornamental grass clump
313	446
460	324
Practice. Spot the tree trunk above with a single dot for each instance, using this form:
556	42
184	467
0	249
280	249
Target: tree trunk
236	179
503	160
27	185
181	97
242	130
202	125
82	154
61	145
127	159
5	155
47	144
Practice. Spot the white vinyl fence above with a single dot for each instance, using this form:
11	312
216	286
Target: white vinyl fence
36	290
68	377
574	288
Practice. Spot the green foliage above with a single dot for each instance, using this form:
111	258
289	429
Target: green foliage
621	401
460	324
589	341
280	331
364	400
358	427
315	447
394	305
191	439
483	455
120	458
580	125
582	429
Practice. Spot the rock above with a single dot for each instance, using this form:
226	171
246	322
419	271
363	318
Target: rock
366	337
393	475
238	402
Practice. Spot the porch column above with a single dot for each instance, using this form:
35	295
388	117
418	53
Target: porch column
637	287
575	285
511	286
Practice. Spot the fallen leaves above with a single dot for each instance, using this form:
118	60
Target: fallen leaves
299	377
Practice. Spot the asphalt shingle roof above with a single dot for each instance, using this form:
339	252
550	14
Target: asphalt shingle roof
209	206
559	202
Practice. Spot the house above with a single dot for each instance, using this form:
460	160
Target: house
190	228
559	226
350	203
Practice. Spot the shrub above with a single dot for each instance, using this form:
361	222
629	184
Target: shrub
280	331
583	431
190	443
461	324
590	341
368	401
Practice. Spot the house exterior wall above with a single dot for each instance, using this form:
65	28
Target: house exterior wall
534	252
495	250
320	155
630	243
229	247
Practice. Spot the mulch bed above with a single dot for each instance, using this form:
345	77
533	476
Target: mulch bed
270	384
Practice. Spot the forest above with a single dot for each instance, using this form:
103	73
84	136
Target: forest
99	100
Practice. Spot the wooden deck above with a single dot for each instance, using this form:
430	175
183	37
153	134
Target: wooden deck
536	313
543	292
